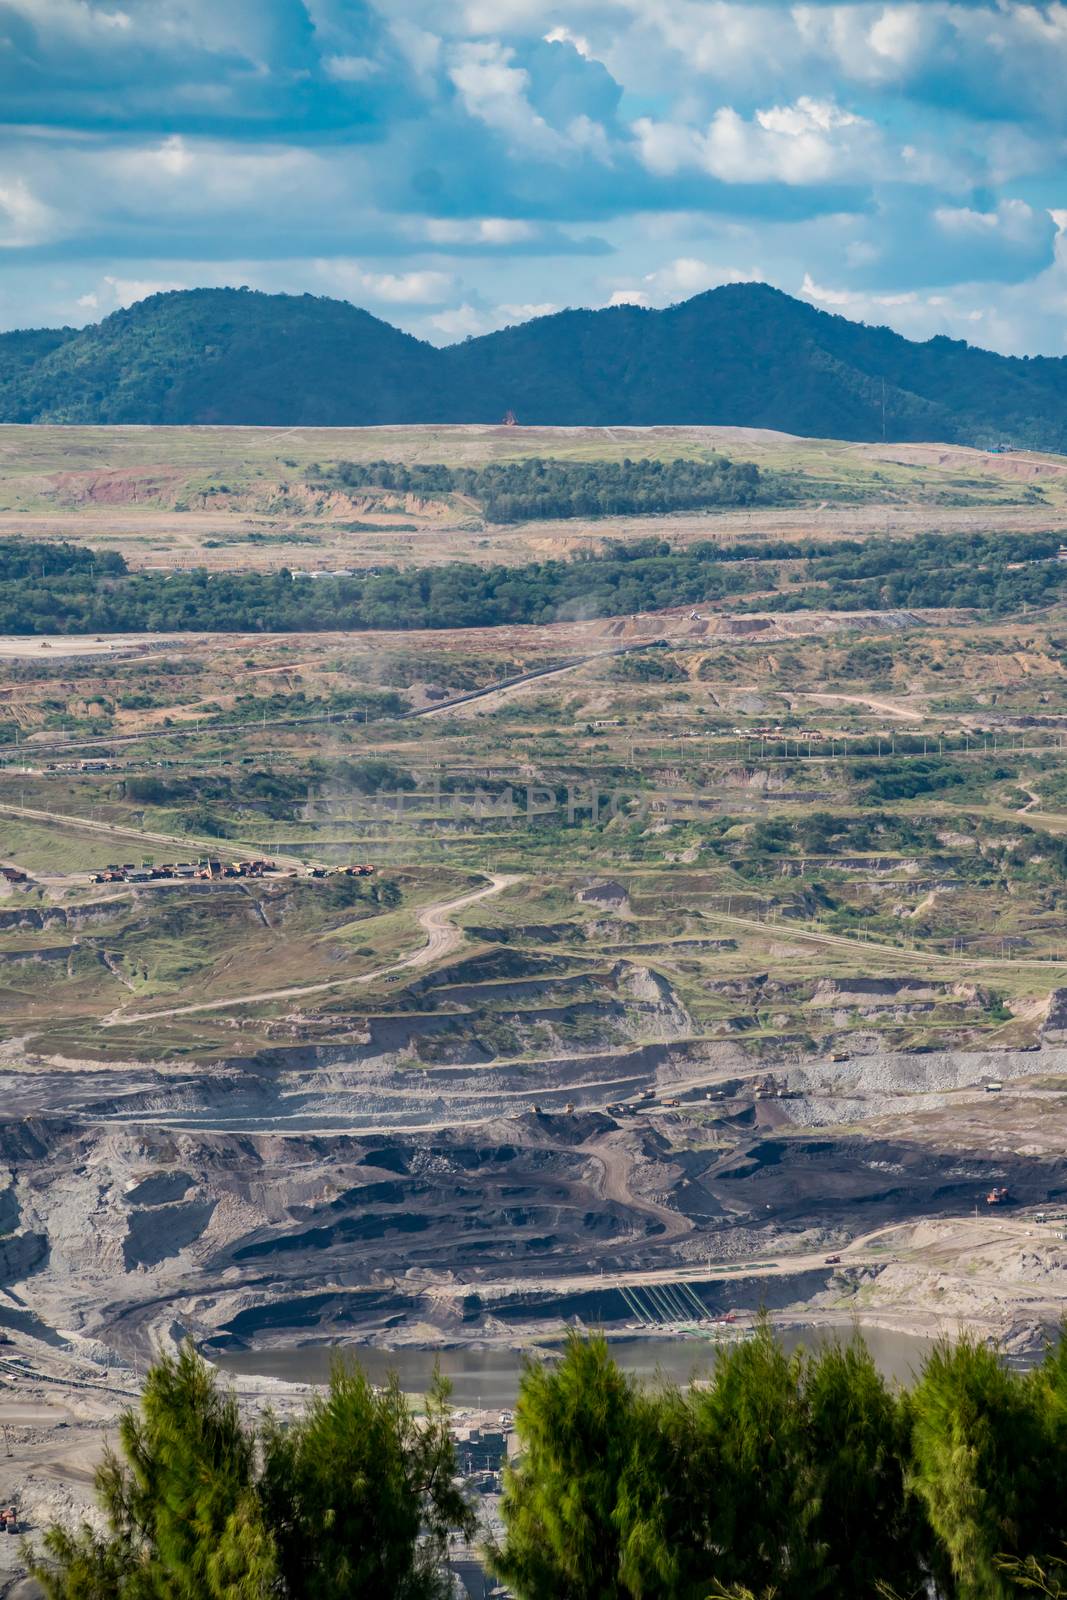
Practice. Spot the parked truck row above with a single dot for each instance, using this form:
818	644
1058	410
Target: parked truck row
213	869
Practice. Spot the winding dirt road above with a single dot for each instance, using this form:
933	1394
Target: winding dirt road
442	937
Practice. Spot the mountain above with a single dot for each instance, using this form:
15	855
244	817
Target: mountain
223	356
743	354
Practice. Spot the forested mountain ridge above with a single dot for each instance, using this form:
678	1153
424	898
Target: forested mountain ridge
217	356
741	354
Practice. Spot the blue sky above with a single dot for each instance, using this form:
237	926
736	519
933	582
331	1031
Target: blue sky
456	165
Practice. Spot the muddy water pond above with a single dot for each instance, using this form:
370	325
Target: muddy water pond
489	1377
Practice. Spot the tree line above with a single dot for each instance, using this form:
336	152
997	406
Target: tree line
64	588
778	1477
536	487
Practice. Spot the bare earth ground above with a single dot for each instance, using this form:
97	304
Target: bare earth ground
229	498
732	1001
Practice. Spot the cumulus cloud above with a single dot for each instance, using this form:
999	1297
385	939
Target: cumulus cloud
424	287
677	279
496	92
25	219
351	69
562	35
461	322
808	142
687	275
460	163
479	230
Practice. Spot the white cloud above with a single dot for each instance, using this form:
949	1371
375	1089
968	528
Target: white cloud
590	137
422	287
525	313
898	35
686	275
205	175
965	313
420	48
467	321
870	43
173	156
675	280
75	18
809	142
495	92
127	291
861	253
807	116
479	230
24	218
460	322
562	35
848	297
1012	219
409	288
351	69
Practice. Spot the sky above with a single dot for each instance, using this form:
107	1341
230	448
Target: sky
458	165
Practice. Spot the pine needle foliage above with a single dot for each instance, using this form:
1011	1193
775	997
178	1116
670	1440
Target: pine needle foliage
180	1500
578	1426
778	1477
362	1496
989	1457
356	1499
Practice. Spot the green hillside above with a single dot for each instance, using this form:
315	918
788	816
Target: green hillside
743	354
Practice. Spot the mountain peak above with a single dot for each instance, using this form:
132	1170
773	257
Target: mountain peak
743	353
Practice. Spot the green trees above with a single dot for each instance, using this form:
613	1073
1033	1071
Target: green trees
512	491
184	1518
355	1500
564	1506
361	1496
784	1476
779	1477
67	589
989	1459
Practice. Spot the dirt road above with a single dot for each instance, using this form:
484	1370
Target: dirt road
442	937
870	1249
788	930
888	706
617	1164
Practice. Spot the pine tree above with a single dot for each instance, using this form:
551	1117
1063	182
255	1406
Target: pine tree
576	1423
361	1494
183	1514
753	1465
867	1524
979	1439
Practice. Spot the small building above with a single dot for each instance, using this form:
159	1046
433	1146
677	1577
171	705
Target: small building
480	1450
